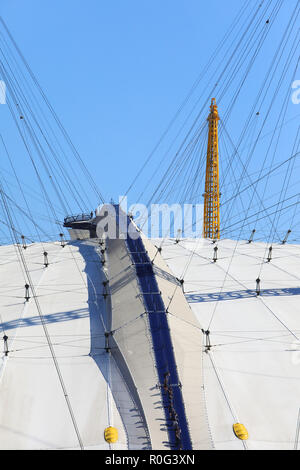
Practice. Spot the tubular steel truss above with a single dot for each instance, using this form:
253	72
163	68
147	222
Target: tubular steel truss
211	220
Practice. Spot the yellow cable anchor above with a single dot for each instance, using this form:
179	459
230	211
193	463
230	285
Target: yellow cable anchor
111	435
240	431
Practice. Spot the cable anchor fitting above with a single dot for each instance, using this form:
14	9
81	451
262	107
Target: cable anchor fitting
23	242
5	338
62	241
252	236
107	334
46	262
286	237
27	296
257	286
207	340
215	258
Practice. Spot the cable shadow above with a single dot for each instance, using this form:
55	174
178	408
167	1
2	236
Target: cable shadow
51	318
241	294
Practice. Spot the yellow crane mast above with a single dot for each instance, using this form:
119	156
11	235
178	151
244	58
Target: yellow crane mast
211	219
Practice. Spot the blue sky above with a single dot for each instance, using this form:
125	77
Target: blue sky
116	71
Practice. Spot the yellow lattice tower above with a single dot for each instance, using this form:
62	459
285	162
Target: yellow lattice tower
211	221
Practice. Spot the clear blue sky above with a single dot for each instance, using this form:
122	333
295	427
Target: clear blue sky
116	71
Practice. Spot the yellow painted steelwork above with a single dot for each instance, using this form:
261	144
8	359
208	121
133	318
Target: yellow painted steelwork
211	219
111	435
240	431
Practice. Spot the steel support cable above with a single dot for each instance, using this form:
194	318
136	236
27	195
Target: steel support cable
262	177
180	163
166	235
47	167
227	273
239	41
276	218
21	215
15	246
214	87
297	278
265	85
286	182
244	172
282	112
278	7
245	169
188	157
20	220
162	242
278	319
44	325
61	127
192	139
184	272
265	32
271	131
21	190
42	114
295	211
197	181
249	187
31	192
268	112
31	133
182	167
229	167
231	182
47	202
225	277
233	414
254	340
259	298
28	216
4	223
287	179
194	86
167	176
224	184
261	212
192	185
30	154
249	217
249	45
279	53
15	249
182	186
44	192
18	92
246	43
247	146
